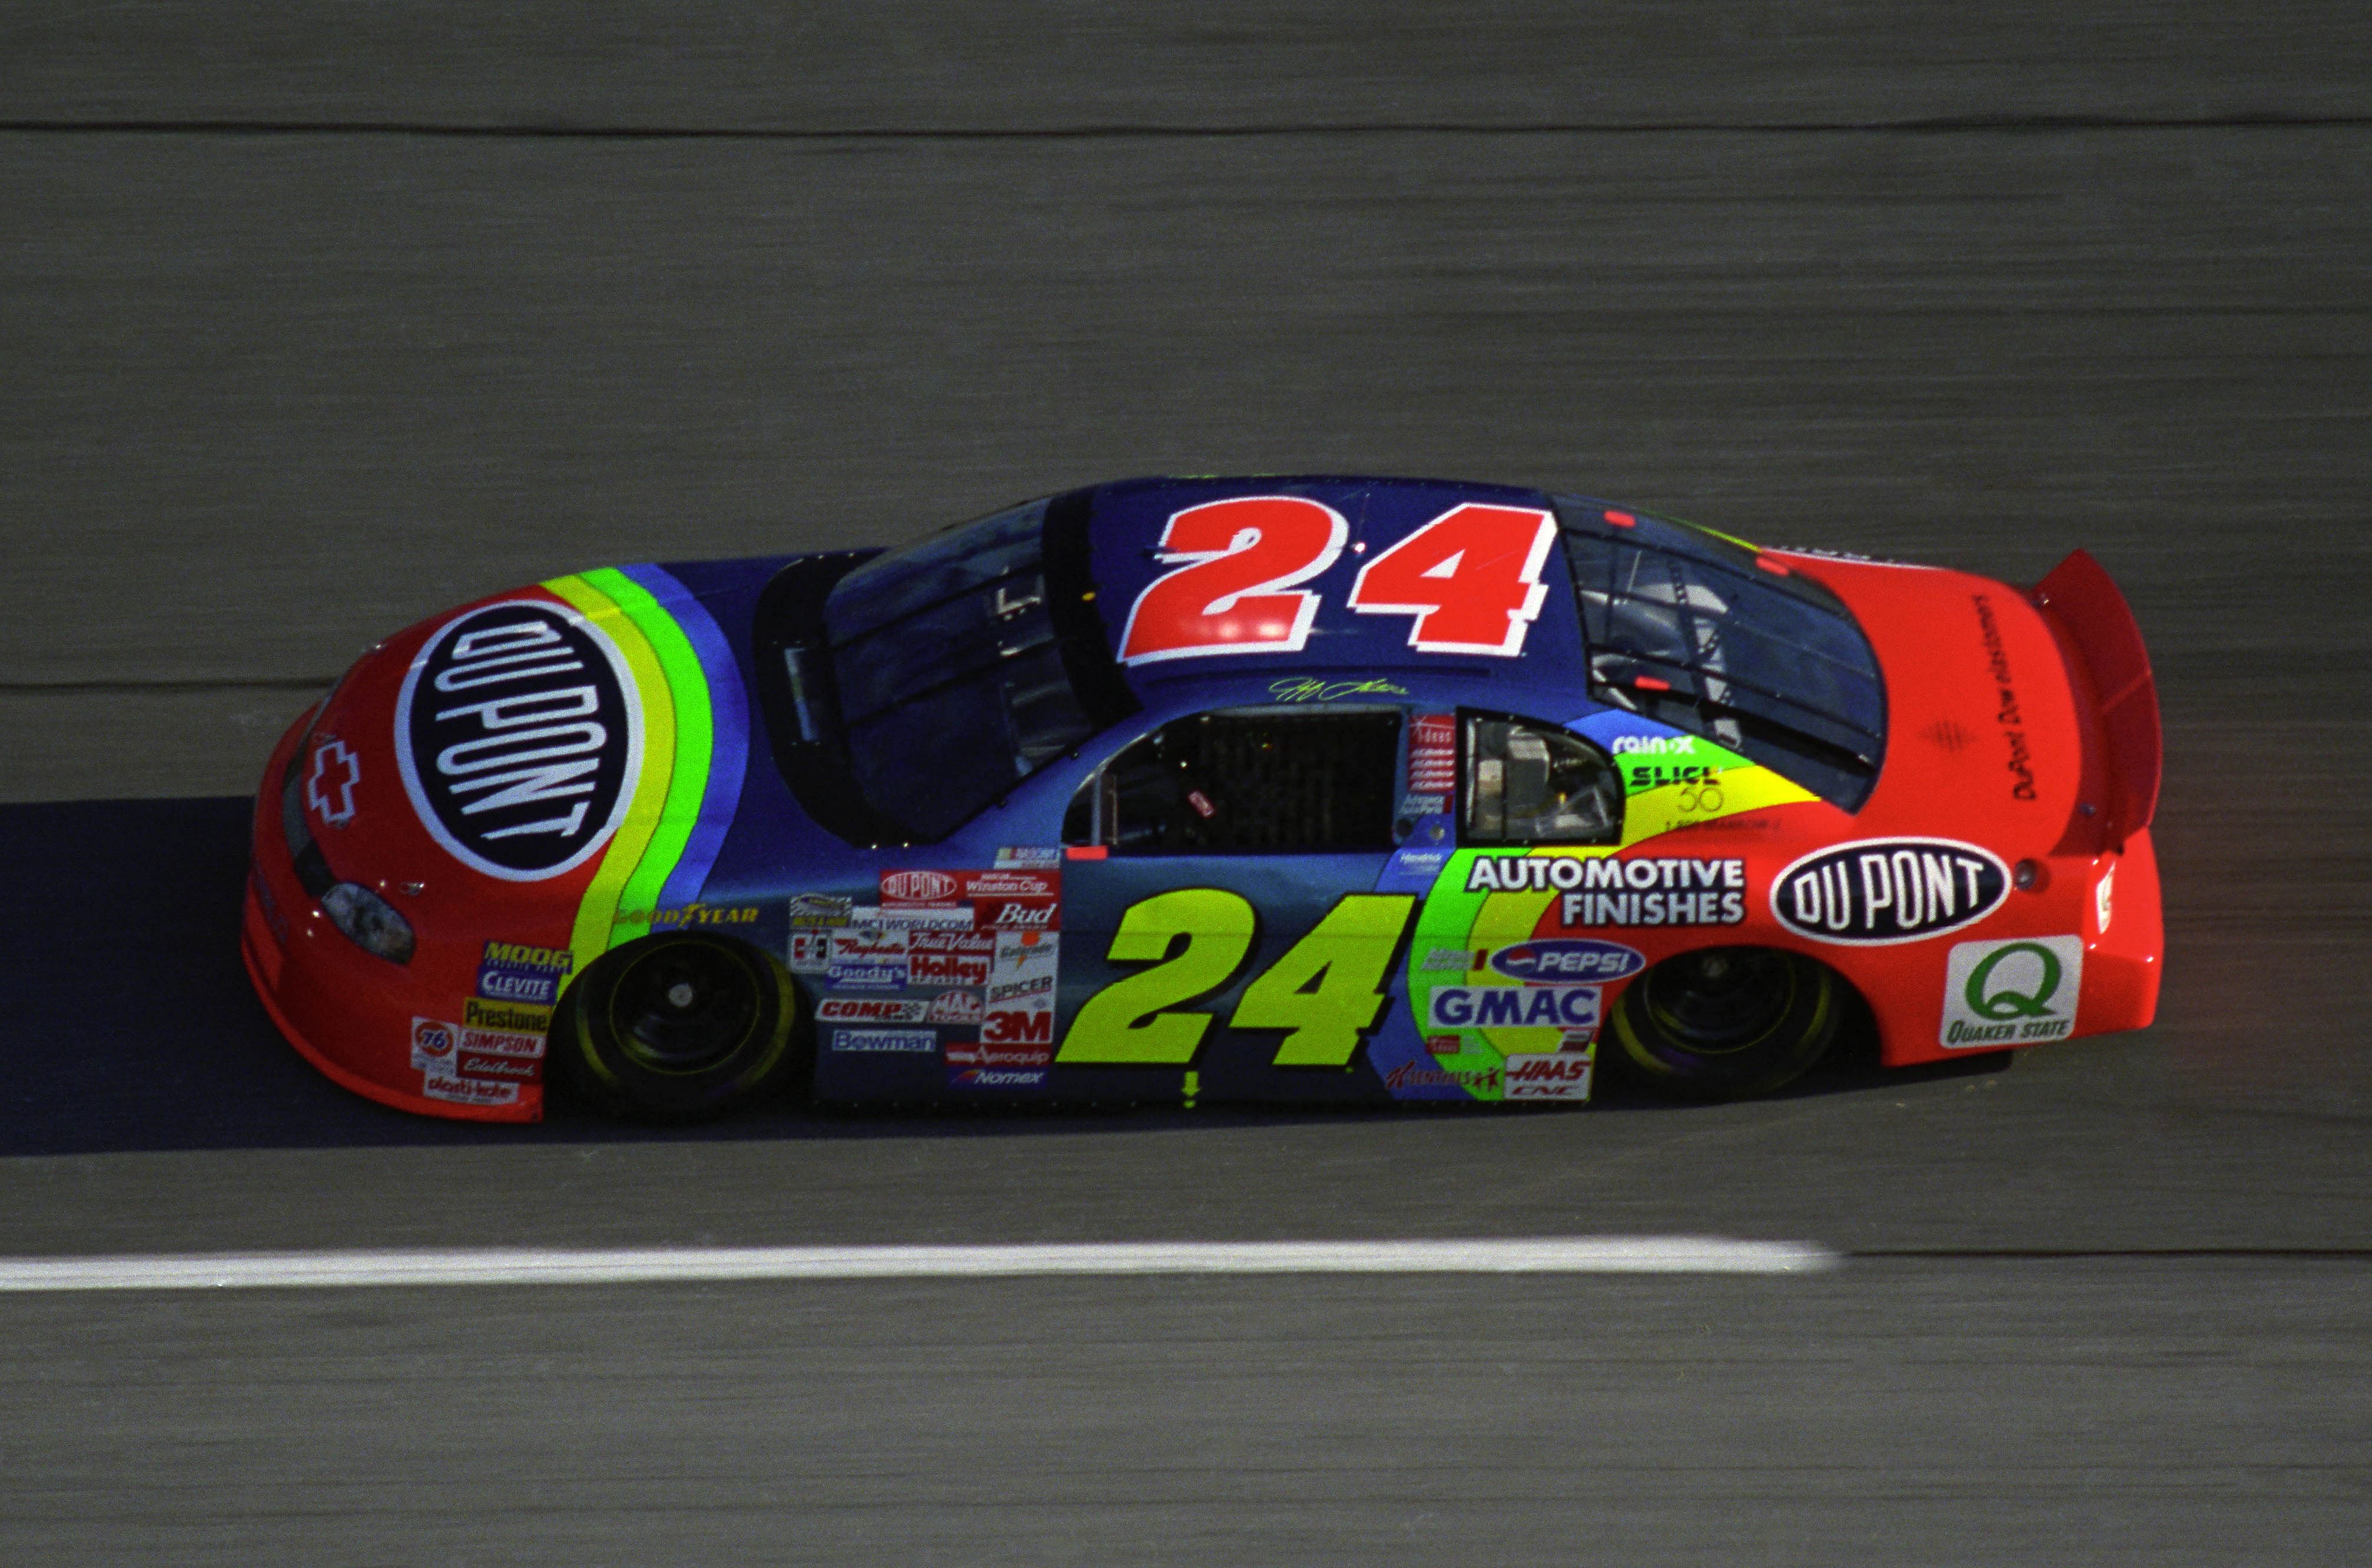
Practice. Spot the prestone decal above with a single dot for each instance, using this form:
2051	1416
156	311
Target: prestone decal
1883	890
518	733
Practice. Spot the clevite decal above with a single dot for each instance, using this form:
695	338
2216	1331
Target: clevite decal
518	733
1877	891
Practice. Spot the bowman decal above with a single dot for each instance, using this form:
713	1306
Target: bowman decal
1883	890
518	733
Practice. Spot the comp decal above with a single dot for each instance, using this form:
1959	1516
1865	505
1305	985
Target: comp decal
518	733
1874	892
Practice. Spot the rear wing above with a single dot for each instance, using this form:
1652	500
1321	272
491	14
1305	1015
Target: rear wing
2081	597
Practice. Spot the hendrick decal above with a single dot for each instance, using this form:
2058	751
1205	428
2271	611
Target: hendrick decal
1882	890
518	733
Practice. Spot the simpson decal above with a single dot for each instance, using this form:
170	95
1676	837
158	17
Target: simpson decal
1885	890
518	733
1998	993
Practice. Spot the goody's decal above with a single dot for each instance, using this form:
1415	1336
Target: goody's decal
1567	958
1877	891
518	735
1998	993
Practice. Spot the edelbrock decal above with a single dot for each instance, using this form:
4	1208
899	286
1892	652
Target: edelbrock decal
519	736
1877	891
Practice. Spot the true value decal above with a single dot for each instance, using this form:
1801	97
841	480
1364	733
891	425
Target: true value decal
1880	890
1998	993
518	733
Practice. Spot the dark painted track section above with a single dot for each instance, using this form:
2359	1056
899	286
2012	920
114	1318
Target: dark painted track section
314	319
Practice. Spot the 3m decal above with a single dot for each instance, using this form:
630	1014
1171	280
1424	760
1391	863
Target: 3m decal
1130	1020
518	733
904	1042
329	787
1235	595
1998	993
1327	988
1567	958
1877	891
1472	578
1513	1007
1561	1076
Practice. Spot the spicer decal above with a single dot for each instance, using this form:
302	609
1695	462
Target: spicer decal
1884	890
518	733
1567	958
1513	1007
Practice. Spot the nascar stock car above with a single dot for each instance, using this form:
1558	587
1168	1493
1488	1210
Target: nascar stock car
1194	790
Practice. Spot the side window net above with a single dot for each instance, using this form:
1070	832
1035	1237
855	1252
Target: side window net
1247	779
1533	784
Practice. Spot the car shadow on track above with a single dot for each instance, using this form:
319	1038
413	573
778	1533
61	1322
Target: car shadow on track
132	1027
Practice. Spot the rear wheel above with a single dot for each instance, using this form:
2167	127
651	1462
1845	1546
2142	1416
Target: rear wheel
1725	1023
679	1028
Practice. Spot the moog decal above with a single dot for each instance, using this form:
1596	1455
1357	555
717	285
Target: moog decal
518	733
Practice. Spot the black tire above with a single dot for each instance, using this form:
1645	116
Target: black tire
1729	1023
679	1027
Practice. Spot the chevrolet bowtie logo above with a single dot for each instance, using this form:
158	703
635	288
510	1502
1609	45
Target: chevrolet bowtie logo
330	789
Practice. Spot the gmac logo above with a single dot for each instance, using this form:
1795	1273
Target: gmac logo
519	736
1882	890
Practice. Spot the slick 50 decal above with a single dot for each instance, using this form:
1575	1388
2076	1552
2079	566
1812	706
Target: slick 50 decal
1884	890
1998	993
518	733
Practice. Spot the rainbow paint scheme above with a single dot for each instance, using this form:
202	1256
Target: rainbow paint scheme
1991	882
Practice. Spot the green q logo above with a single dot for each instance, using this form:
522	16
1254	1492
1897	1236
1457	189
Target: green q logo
2005	1003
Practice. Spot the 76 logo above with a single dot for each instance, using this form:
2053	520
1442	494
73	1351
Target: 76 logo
1469	579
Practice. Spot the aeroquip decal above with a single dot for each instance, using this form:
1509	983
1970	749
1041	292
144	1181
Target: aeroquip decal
695	748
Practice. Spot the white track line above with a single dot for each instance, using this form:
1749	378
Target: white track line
1579	1255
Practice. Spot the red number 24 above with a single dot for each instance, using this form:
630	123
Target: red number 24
1470	577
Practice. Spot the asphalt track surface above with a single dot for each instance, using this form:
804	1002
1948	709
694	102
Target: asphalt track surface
310	325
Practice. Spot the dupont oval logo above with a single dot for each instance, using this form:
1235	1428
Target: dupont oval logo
519	736
1568	959
1880	890
918	887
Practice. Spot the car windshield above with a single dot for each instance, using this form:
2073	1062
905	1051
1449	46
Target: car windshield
948	674
1694	630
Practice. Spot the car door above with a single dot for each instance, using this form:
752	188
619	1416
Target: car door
1223	938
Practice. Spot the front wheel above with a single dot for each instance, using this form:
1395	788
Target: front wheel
678	1028
1727	1022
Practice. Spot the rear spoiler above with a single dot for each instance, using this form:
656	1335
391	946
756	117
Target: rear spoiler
2082	598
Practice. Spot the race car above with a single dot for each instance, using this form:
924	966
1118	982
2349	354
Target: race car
1193	790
